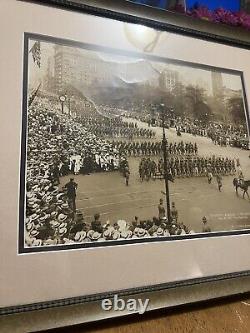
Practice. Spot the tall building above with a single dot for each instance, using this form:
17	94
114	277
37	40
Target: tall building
49	78
77	67
217	84
168	80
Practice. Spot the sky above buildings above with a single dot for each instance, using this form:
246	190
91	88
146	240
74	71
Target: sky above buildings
143	70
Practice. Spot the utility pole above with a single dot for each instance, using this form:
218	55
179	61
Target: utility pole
62	99
165	160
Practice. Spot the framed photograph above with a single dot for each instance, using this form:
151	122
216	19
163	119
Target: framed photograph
126	152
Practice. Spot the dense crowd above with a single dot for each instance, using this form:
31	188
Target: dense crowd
55	139
60	226
221	134
152	148
59	145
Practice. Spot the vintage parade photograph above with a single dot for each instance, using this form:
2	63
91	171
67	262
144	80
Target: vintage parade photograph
129	147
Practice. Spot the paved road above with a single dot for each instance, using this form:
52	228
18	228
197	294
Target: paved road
205	145
107	194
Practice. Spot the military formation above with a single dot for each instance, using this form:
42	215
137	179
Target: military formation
104	127
190	166
151	148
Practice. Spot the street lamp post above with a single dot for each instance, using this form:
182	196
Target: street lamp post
165	161
62	99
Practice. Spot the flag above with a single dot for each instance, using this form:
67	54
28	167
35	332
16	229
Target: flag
36	53
33	95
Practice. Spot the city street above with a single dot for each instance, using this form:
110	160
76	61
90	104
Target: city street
106	193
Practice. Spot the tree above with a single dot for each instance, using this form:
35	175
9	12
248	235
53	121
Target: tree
236	108
198	104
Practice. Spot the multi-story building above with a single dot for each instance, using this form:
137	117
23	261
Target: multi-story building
217	84
168	79
83	68
77	67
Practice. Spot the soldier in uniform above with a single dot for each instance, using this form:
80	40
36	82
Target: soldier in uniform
219	181
174	212
71	187
209	177
126	175
161	209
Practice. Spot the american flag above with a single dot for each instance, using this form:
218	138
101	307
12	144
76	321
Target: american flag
36	53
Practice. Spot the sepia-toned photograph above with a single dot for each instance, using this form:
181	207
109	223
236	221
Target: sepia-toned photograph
122	148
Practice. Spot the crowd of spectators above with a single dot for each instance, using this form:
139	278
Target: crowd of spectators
59	226
59	144
54	142
221	134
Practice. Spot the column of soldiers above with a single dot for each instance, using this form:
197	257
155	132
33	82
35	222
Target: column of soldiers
187	166
149	148
122	132
105	127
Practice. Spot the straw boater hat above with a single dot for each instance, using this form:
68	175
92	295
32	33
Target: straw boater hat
107	233
136	230
159	232
90	234
34	206
34	217
37	242
62	217
65	205
30	226
53	214
59	195
126	234
116	235
68	241
63	225
50	241
31	202
80	236
166	233
141	232
96	235
42	219
49	199
55	224
62	230
34	232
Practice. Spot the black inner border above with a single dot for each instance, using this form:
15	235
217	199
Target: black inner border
96	48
